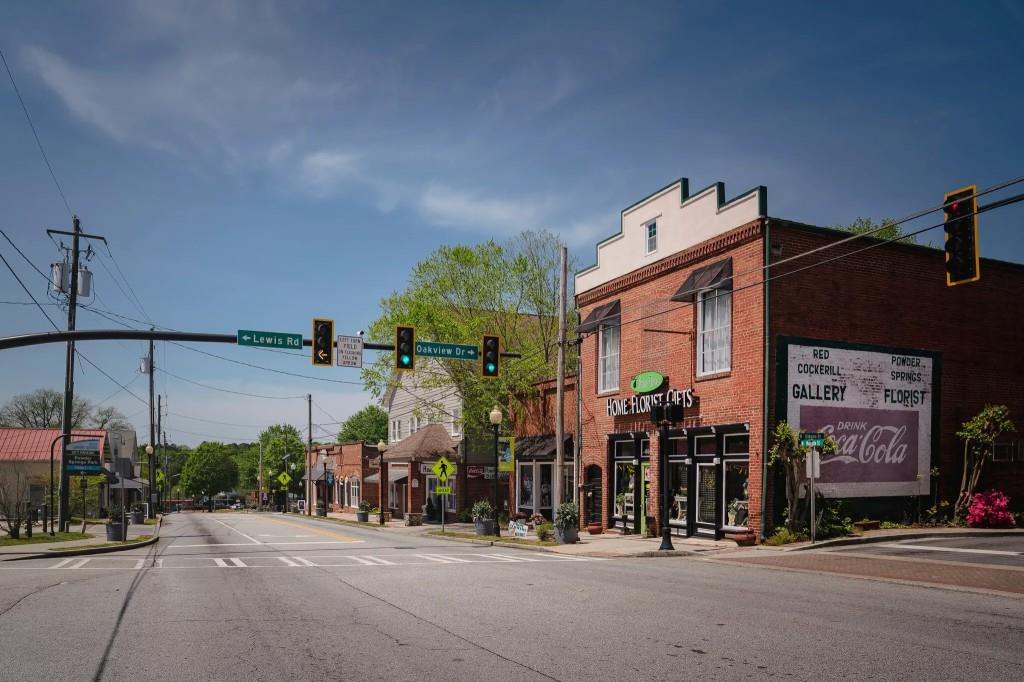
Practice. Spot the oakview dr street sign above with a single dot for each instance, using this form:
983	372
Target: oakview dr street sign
455	351
247	337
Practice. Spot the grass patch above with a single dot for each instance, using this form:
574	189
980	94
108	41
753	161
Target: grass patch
493	538
129	543
39	536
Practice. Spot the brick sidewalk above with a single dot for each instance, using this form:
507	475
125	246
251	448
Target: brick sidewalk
942	573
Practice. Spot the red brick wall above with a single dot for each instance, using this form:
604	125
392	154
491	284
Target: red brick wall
896	295
665	343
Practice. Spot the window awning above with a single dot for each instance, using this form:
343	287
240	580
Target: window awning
602	314
541	448
717	275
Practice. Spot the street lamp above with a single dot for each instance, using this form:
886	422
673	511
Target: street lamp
381	447
152	479
495	417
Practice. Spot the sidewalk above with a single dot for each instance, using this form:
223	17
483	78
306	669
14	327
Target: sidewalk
892	534
99	537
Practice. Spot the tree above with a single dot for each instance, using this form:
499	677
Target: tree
209	470
368	425
459	293
43	409
111	419
15	486
282	447
979	434
889	229
787	453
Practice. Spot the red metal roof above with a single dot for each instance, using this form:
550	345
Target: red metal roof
34	444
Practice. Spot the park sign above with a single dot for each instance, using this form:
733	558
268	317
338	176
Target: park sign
248	337
453	351
83	457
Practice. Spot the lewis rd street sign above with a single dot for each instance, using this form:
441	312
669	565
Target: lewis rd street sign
248	337
454	351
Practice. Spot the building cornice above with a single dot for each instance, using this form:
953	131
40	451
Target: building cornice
677	261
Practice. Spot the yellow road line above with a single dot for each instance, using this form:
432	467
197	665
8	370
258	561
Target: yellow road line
311	529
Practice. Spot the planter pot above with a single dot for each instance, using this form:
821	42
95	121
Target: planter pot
116	532
567	536
485	527
138	517
413	519
594	528
363	516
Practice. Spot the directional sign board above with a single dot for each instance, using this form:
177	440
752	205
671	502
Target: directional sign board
350	351
283	478
810	439
453	351
247	337
83	457
443	469
443	490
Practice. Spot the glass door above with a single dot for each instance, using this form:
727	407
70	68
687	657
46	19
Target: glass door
707	488
544	502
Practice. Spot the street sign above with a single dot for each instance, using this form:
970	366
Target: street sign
283	478
350	351
811	439
443	490
247	337
507	455
453	351
330	478
443	469
813	465
83	457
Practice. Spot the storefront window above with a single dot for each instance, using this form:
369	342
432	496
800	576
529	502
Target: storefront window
353	493
736	479
545	487
737	445
624	482
526	486
677	476
568	485
706	445
706	493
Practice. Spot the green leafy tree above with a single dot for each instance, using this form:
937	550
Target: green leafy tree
282	447
785	451
459	293
887	229
209	469
979	434
42	409
368	425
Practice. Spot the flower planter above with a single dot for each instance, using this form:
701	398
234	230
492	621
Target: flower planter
567	536
484	526
362	516
116	532
138	517
861	526
595	528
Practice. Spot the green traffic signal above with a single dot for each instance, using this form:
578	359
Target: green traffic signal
405	345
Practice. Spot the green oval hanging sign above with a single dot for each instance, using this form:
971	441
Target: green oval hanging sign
645	382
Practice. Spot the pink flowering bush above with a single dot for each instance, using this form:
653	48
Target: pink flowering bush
990	510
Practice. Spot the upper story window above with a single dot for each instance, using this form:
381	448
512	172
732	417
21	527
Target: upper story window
608	358
414	423
714	331
651	232
394	430
456	421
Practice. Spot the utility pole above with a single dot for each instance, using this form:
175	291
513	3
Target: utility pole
69	367
309	455
259	496
152	434
159	451
560	385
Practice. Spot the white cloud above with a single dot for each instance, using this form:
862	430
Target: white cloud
453	208
324	172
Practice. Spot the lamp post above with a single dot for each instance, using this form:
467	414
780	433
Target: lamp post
495	417
381	447
152	478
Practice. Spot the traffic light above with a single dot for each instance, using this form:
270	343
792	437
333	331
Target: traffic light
405	348
323	342
490	357
962	262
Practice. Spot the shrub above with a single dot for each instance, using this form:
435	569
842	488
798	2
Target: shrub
833	523
482	511
938	514
545	531
466	515
783	536
365	506
990	510
537	519
567	516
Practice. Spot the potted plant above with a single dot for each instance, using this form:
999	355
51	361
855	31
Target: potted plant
483	517
363	514
116	528
567	523
138	513
431	510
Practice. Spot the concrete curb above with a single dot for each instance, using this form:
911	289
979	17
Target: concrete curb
551	550
909	535
81	551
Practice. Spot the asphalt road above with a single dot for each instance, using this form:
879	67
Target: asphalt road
263	597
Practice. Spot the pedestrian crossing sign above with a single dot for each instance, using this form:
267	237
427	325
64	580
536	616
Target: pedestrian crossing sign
443	469
283	478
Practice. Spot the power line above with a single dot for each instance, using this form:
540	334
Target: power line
127	283
35	134
226	390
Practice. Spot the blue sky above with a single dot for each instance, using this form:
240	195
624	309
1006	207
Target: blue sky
256	164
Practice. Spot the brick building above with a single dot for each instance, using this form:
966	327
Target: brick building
871	348
348	472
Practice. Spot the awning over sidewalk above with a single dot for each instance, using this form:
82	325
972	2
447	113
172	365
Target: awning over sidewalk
129	484
534	448
393	475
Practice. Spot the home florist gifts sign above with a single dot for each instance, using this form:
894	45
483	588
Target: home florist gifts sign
875	402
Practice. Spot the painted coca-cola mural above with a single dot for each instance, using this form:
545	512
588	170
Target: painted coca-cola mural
875	402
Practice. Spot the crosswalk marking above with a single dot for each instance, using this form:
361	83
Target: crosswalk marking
139	564
288	562
79	564
220	562
432	557
62	563
238	562
515	558
304	562
379	561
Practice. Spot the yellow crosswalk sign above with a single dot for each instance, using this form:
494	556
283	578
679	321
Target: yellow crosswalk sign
443	469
